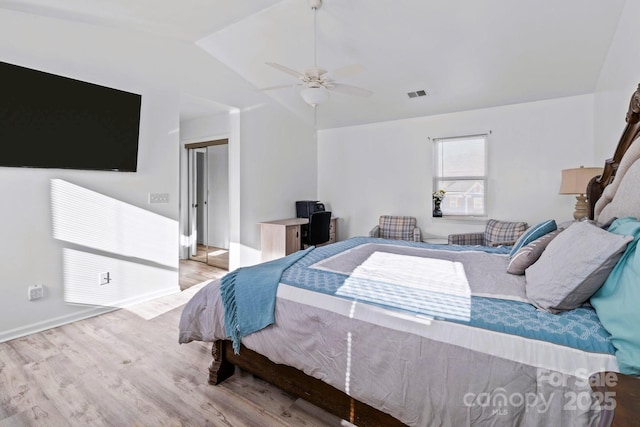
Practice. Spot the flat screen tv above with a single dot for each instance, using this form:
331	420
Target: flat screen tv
50	121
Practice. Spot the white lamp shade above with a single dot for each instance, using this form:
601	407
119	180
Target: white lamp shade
314	95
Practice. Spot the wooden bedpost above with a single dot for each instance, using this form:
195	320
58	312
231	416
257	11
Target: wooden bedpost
219	369
629	134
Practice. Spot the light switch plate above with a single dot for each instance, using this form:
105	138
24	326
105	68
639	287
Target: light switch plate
104	278
35	292
158	197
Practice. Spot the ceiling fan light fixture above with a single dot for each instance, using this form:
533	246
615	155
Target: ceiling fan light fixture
314	80
314	96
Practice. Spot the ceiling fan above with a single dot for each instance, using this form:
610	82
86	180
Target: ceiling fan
316	82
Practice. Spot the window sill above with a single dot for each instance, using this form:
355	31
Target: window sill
462	219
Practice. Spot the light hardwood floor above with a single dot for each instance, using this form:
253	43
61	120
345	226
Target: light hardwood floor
214	256
195	272
126	368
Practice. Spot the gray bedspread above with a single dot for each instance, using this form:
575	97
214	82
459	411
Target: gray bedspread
419	380
486	272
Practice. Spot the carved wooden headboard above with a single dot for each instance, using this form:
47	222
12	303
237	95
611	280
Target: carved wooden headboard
629	135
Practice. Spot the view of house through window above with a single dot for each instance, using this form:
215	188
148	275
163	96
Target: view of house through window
460	170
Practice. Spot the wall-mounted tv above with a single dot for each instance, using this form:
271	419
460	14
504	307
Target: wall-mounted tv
50	121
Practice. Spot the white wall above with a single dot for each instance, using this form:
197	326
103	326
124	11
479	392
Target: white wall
278	164
619	78
386	168
216	126
61	228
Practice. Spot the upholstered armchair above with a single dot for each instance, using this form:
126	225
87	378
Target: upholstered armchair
397	228
496	233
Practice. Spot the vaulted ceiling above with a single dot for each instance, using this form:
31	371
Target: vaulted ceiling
465	54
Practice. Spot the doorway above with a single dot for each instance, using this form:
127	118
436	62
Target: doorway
208	166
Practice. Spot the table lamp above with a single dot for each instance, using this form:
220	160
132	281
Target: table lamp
574	181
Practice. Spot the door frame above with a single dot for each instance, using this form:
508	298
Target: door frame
192	148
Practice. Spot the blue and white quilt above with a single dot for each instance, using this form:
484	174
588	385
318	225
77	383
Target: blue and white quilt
492	307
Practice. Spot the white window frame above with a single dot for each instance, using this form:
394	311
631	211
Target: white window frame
437	179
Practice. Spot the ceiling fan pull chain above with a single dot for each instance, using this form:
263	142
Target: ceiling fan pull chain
315	37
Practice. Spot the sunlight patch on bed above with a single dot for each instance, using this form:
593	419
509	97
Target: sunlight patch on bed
347	375
426	286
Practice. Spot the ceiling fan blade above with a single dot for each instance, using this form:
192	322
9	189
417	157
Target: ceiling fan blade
284	69
347	71
348	89
278	87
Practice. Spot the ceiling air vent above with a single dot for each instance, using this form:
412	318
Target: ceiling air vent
417	93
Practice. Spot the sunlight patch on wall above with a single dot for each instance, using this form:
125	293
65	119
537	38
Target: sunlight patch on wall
91	219
130	282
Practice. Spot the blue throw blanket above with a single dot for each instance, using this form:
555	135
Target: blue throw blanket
249	296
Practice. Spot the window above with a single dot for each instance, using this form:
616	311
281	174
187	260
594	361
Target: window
460	169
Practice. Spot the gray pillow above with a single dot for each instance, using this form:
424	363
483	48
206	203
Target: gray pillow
528	254
573	267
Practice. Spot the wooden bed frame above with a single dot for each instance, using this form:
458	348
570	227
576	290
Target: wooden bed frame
295	382
334	401
631	132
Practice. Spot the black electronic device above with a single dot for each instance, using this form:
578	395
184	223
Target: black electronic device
51	121
304	208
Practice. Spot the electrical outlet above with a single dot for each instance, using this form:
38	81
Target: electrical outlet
158	197
104	279
35	292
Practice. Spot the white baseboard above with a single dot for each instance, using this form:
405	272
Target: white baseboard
90	311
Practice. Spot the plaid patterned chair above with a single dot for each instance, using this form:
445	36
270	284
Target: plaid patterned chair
397	228
496	233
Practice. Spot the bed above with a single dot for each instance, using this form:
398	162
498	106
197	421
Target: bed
498	336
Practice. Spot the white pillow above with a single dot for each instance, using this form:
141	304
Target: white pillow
573	267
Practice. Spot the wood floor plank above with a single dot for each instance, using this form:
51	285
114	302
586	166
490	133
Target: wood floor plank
17	394
44	414
63	389
264	395
126	368
121	400
194	272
